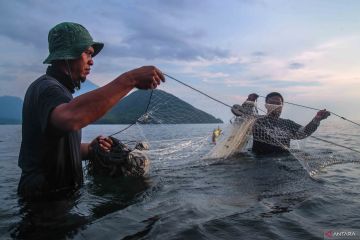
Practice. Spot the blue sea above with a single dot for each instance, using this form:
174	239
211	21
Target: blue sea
244	197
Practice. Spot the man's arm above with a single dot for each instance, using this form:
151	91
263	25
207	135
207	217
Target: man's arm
89	107
311	127
249	104
247	107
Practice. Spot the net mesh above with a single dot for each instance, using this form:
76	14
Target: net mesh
182	124
237	137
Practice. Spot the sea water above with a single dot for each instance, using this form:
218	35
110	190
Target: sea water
243	197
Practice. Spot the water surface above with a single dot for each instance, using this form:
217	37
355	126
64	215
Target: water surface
245	197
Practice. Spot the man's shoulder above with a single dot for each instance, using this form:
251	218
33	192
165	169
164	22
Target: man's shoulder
46	88
44	83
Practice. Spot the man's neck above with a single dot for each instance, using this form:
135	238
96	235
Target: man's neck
274	116
62	76
64	67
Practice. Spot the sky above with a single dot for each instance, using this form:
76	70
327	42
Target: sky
307	50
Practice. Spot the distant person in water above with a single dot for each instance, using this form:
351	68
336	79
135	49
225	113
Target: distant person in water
51	149
272	134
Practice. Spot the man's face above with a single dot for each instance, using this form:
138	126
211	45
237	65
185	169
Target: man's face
274	106
81	66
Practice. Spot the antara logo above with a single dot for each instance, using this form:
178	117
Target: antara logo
344	234
331	234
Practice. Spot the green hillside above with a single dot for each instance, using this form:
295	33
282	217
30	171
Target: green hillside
165	108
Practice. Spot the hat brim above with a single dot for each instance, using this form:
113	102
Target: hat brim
98	46
73	53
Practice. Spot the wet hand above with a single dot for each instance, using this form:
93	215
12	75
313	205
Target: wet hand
105	143
252	97
322	114
147	77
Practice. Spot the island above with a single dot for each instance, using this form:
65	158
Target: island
161	108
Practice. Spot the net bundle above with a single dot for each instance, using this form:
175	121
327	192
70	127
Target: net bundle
121	160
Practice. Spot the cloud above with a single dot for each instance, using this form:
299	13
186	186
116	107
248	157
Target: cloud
153	37
141	45
296	65
22	25
259	54
147	31
228	48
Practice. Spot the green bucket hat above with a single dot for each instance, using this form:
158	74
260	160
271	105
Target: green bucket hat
69	40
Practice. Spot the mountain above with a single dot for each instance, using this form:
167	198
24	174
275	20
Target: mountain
86	86
164	108
11	109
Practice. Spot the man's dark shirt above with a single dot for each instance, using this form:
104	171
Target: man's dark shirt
273	135
50	159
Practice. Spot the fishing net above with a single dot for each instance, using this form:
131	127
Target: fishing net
121	160
316	145
181	124
238	134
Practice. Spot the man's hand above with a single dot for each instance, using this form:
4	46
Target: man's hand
252	97
237	110
147	77
105	143
322	114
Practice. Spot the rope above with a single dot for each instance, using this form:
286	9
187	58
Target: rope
339	145
227	105
197	90
130	125
147	108
299	105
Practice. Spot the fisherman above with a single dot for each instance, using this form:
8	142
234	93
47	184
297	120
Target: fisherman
216	133
51	149
272	134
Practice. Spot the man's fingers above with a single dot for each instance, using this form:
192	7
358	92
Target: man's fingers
105	143
107	139
159	75
147	77
156	79
105	147
153	85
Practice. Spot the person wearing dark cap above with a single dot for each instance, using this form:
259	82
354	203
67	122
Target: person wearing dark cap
272	134
51	149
